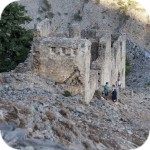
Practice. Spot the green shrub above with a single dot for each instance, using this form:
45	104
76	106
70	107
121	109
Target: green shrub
38	19
126	6
77	16
67	94
148	84
127	61
59	13
132	4
134	80
43	10
140	76
128	68
97	1
50	15
141	9
47	4
47	10
113	4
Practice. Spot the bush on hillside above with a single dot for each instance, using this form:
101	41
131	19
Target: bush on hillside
125	7
148	83
77	16
46	9
67	94
128	66
97	1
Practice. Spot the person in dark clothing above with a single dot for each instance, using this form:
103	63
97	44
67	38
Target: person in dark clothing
114	94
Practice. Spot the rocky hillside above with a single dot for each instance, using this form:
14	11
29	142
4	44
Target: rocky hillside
139	78
104	15
39	114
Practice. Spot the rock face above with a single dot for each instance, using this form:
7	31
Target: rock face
104	16
139	77
16	137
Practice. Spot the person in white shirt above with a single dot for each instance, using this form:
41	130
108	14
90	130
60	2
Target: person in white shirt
119	84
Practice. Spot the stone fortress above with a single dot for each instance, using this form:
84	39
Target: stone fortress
82	61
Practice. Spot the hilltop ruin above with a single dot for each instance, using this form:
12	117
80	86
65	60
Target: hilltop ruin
80	60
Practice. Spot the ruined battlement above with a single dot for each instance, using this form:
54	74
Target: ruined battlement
69	60
64	42
65	48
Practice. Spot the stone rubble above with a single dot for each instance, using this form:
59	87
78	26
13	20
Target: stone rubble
39	116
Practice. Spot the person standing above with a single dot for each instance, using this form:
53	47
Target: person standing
114	93
106	90
119	84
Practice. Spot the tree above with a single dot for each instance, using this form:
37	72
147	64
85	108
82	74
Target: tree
15	39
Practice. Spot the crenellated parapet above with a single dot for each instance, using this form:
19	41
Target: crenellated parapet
66	52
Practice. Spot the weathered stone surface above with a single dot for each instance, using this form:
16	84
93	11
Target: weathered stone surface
66	61
104	16
75	31
111	60
41	145
12	137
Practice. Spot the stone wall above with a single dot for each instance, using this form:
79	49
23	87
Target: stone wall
93	82
105	59
108	54
118	60
110	62
66	61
